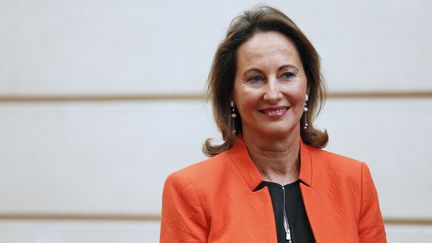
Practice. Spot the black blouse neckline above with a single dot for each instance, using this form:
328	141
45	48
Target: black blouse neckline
300	228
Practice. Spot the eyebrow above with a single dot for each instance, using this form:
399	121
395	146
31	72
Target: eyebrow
252	70
288	66
282	67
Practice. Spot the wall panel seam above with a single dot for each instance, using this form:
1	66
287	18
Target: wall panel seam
197	96
152	218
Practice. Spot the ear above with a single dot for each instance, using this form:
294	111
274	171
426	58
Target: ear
232	99
308	90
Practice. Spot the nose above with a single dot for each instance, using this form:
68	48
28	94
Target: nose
272	92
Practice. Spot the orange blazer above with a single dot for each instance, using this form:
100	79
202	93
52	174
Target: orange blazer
216	201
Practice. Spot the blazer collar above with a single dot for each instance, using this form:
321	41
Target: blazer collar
305	164
240	157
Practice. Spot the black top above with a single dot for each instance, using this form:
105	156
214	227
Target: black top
296	214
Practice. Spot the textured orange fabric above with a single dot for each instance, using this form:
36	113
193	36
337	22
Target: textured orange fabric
215	200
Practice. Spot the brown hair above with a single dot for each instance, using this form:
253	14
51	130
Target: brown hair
222	74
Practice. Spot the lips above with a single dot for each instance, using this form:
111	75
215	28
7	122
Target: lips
275	111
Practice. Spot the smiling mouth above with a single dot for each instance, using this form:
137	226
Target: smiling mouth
275	111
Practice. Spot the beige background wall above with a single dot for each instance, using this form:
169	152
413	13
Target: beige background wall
101	100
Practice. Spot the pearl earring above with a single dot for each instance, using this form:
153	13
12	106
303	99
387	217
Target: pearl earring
233	116
305	109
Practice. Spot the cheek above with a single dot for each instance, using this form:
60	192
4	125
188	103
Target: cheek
246	98
296	98
296	94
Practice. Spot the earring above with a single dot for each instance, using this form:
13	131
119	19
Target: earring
305	109
233	115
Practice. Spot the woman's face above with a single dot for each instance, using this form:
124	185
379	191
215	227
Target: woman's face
270	85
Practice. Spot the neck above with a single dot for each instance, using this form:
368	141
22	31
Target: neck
277	159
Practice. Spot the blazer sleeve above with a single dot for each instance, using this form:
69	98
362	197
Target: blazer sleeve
183	219
371	226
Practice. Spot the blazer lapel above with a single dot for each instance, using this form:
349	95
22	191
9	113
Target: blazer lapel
257	202
316	204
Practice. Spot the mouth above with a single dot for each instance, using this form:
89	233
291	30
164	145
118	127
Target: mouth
274	112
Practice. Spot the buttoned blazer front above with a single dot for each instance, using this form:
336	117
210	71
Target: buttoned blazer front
216	200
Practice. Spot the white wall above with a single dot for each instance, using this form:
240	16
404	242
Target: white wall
78	168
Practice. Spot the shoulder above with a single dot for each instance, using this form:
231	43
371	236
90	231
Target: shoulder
204	172
195	188
337	168
325	159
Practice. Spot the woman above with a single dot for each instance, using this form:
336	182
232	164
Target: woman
269	181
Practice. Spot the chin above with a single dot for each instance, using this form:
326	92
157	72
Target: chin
274	130
287	128
281	132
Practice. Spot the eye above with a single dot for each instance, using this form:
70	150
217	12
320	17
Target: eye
256	78
288	75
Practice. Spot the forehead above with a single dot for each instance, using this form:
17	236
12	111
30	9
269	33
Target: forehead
265	47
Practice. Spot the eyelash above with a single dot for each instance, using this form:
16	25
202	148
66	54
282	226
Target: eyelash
253	78
288	75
